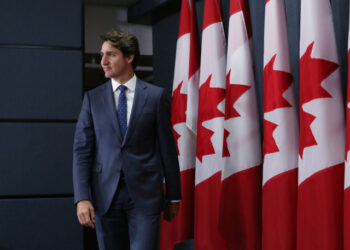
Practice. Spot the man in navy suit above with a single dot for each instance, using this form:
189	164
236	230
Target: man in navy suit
123	149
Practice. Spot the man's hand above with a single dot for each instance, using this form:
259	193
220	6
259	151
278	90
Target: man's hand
86	213
171	210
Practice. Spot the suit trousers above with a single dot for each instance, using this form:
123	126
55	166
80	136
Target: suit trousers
124	227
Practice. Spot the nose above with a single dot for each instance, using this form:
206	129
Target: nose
104	60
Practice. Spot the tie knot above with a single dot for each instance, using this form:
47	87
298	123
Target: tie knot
122	88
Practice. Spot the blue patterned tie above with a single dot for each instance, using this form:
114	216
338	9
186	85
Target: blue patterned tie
122	110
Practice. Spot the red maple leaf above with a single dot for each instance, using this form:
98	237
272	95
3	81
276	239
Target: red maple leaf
178	111
233	93
209	99
276	82
307	138
178	106
312	72
269	145
225	151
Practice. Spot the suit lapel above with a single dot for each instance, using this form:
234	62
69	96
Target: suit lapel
111	108
140	98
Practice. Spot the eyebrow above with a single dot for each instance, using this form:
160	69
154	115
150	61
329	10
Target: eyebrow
107	52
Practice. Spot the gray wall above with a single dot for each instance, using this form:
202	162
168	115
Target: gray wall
41	51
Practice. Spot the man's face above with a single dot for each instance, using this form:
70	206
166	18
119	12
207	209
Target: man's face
113	61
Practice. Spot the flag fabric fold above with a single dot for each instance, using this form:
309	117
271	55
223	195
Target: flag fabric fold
281	132
322	132
184	120
347	161
210	132
240	196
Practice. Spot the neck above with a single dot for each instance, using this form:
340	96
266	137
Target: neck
122	79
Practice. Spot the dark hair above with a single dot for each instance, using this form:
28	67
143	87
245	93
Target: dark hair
125	42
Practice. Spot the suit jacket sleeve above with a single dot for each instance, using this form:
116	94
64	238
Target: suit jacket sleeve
83	152
167	148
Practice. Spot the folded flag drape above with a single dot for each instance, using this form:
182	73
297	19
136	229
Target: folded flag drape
281	135
322	132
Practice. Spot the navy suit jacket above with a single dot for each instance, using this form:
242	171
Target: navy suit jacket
146	154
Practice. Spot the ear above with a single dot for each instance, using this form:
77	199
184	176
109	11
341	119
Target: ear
130	58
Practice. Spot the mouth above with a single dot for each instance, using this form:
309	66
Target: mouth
107	69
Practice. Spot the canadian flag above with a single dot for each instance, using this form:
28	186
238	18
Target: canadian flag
322	132
184	119
347	162
281	132
240	200
210	132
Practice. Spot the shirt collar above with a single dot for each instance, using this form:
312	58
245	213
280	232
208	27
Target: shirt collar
131	84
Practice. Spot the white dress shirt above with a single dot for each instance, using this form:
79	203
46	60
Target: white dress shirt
129	92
